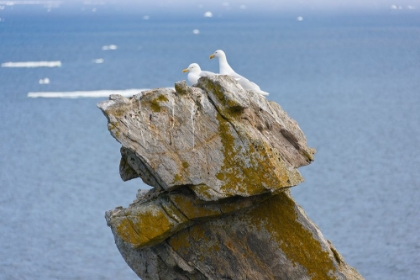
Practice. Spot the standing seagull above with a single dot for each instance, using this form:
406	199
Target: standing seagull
225	69
195	73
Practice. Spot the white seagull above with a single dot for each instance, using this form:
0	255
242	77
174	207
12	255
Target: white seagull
194	73
225	69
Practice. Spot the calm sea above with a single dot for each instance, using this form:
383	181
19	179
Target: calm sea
351	81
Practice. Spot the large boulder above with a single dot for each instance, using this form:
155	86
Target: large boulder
220	160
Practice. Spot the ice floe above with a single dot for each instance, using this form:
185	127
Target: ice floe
31	64
12	3
79	94
45	81
109	48
98	60
395	7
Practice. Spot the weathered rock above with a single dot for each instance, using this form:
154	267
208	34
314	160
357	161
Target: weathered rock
220	160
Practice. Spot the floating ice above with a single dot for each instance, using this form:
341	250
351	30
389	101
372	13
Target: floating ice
395	7
12	3
98	60
208	14
411	7
84	94
110	47
32	64
45	81
94	10
299	18
196	31
94	3
242	7
146	17
79	94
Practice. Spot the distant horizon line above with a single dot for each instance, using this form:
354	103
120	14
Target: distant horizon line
215	9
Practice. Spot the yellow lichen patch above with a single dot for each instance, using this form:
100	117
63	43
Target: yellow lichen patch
185	164
127	232
112	127
230	206
200	234
196	234
177	178
250	169
203	191
193	210
144	227
155	103
119	111
279	218
174	213
180	242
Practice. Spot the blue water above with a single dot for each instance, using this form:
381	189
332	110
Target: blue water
351	81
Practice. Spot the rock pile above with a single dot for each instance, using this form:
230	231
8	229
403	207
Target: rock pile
221	161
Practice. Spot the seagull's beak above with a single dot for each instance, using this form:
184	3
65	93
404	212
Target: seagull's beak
212	56
185	70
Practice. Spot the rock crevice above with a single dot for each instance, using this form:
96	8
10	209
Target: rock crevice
221	161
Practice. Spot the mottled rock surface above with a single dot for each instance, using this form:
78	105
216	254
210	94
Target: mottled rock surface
220	160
